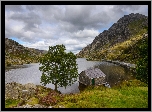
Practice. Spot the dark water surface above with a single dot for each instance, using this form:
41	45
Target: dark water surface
29	73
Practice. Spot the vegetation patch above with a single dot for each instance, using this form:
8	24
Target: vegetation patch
9	103
101	97
33	101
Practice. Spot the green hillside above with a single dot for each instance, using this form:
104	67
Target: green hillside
16	54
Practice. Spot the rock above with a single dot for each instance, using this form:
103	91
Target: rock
30	86
27	106
61	106
24	92
12	90
33	106
39	106
24	106
15	90
145	35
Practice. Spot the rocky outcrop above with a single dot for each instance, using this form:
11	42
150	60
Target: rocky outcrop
32	96
16	91
126	27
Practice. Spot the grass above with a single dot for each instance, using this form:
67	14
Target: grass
11	102
129	94
125	96
42	91
33	101
125	51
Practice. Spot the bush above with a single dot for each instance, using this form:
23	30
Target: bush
48	100
142	63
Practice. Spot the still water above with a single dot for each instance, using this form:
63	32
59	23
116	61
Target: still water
29	73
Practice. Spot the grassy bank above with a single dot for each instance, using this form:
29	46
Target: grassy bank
130	94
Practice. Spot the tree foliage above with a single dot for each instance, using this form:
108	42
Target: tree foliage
58	67
142	63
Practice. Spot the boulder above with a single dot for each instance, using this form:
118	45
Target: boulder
15	90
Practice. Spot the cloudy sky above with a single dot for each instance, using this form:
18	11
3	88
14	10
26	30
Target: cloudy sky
75	26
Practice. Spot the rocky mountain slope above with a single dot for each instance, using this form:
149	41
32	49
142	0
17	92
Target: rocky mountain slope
118	39
16	54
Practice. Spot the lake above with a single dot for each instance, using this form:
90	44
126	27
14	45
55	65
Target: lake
29	73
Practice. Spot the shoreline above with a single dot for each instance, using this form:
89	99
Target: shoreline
123	64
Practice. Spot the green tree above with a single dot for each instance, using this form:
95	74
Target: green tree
142	63
58	67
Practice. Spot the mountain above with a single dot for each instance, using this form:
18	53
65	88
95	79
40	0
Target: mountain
16	53
116	42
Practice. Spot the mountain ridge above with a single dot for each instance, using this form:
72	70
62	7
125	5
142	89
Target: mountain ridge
125	28
17	54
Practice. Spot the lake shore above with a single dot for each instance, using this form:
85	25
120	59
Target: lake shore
31	74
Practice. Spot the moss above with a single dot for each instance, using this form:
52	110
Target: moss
33	101
9	103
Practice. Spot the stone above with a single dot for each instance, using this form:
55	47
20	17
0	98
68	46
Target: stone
39	106
31	106
50	107
61	106
30	85
15	90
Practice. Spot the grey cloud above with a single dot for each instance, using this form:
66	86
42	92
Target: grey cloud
71	18
59	23
78	15
31	7
13	8
98	20
117	10
29	19
77	18
50	13
78	47
130	7
9	32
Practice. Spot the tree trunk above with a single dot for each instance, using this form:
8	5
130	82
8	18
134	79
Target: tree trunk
56	83
56	86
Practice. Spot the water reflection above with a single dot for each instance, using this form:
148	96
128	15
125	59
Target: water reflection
115	74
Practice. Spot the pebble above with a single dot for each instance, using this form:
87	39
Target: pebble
31	106
50	107
37	106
